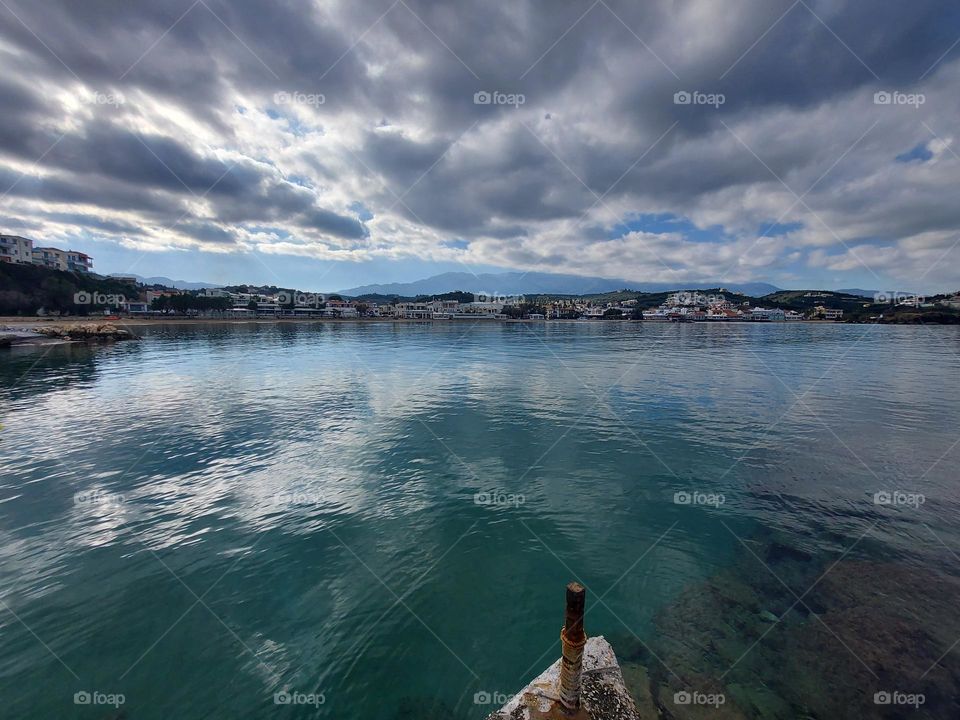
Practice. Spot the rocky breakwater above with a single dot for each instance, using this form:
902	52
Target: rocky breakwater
91	332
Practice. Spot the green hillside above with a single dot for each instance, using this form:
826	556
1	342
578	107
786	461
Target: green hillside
25	289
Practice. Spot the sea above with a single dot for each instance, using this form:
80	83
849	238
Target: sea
378	519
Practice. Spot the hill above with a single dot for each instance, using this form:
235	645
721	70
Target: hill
28	288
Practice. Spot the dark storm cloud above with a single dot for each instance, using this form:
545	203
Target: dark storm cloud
335	224
149	161
93	222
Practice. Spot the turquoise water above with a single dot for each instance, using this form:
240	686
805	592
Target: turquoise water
216	514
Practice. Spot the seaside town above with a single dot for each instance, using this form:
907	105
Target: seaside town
125	295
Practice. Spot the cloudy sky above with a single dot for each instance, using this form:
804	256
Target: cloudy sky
328	144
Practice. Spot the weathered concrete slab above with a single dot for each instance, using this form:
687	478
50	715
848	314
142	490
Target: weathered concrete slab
604	695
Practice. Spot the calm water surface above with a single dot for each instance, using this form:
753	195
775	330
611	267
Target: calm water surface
386	514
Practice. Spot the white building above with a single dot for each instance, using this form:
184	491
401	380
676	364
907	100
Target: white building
16	249
413	311
443	309
484	308
767	314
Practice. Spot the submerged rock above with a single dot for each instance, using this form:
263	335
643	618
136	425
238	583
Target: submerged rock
863	632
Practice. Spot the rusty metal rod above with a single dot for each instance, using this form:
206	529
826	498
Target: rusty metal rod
572	639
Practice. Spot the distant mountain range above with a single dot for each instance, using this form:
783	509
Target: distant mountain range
535	283
517	283
870	293
167	282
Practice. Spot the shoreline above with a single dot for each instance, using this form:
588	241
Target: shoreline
20	325
25	323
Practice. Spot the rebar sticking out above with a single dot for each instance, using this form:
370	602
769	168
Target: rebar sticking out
572	639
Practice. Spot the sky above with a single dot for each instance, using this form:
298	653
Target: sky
321	145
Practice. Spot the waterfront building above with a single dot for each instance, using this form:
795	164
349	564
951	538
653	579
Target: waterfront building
767	314
483	308
16	249
79	262
413	311
828	313
49	257
66	260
